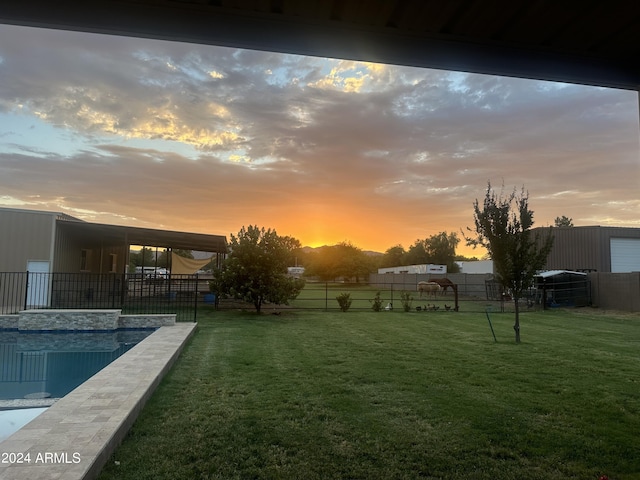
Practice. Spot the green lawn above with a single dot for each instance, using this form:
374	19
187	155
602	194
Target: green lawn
391	395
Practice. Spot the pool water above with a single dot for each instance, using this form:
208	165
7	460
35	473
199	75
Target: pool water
39	365
13	420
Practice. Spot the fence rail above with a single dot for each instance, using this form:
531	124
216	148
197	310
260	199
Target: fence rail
389	296
133	293
399	292
184	295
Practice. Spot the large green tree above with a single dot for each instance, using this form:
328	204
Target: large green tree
393	257
503	226
342	260
441	250
255	269
417	254
438	249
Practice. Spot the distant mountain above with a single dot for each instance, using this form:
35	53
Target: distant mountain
311	249
366	252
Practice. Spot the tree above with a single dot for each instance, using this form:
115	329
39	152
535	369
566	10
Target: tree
341	260
463	258
441	250
393	257
256	268
144	257
564	222
506	235
417	254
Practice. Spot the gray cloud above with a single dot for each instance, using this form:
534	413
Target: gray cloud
210	139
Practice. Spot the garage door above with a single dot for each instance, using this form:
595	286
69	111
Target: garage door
625	254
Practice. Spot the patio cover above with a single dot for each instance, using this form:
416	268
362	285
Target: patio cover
103	235
595	43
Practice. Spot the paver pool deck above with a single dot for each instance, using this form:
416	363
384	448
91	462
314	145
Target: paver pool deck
75	437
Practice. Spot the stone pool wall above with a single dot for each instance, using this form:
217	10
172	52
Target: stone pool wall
146	321
82	320
92	420
9	322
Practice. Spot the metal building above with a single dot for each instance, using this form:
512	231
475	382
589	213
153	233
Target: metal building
53	260
594	249
55	242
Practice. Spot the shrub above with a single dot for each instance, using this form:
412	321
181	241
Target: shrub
344	300
406	298
376	303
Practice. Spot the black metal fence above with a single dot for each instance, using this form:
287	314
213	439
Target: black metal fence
184	295
389	295
133	293
472	293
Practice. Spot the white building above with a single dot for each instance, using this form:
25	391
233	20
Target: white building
424	268
295	272
476	266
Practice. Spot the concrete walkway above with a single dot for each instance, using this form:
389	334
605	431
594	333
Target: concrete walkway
75	437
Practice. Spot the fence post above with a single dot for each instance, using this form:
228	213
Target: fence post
114	291
487	310
326	296
124	289
26	291
195	296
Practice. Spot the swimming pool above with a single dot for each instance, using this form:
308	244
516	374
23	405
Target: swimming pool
38	365
13	420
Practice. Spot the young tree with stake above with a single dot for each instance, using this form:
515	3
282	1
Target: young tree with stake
503	226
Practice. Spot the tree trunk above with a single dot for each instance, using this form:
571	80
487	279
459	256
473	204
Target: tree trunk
516	326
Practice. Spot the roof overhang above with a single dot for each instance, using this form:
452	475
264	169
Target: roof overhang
553	273
103	235
593	43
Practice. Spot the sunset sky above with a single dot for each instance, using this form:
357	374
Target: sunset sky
208	139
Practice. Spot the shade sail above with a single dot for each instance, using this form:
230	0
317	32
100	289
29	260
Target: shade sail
186	266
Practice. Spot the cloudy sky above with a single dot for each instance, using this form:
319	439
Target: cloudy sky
208	139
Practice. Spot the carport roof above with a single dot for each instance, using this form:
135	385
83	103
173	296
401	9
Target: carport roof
100	234
553	273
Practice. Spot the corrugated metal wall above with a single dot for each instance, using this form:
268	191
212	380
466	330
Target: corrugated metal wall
24	235
584	248
576	248
67	253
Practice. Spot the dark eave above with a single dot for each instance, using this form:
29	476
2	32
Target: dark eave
592	43
103	235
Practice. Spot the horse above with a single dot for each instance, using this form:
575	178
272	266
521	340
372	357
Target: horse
444	283
429	288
